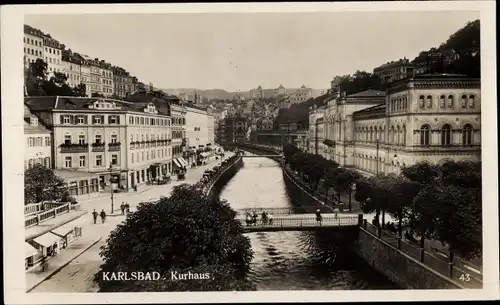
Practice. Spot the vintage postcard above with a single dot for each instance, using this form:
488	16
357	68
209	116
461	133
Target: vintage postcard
252	152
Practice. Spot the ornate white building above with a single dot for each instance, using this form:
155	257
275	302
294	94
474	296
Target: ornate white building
427	118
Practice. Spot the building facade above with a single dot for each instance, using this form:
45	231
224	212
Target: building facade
107	81
427	118
98	141
38	142
394	70
199	133
179	137
72	68
122	82
52	51
33	44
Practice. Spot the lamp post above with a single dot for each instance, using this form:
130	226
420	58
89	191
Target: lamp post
112	190
378	146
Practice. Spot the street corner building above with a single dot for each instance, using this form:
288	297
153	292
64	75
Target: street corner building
94	139
430	118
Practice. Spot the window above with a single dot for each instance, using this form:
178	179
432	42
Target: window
451	102
131	120
67	139
404	135
82	161
471	101
66	119
446	135
425	135
429	101
67	162
421	101
81	139
467	135
442	101
47	141
98	139
113	119
114	138
31	142
98	160
80	120
97	119
114	159
463	102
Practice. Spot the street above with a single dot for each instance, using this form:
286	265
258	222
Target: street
77	276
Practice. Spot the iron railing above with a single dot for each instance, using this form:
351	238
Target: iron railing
33	220
304	222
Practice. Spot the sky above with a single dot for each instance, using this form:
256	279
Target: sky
240	51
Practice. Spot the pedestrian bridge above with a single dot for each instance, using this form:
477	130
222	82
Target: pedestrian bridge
261	156
303	222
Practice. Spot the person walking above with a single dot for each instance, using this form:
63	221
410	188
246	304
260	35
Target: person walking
103	216
318	215
127	208
270	219
122	207
94	215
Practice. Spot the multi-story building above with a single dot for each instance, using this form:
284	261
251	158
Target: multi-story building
300	95
281	90
72	68
199	134
33	44
426	118
179	141
233	129
394	70
106	78
52	51
317	130
122	82
38	141
101	142
94	78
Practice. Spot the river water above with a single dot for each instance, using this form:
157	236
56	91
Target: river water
295	260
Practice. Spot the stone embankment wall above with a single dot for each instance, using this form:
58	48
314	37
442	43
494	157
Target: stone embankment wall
400	268
219	182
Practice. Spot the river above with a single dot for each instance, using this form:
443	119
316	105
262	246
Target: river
294	260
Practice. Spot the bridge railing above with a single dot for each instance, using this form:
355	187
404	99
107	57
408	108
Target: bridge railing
471	277
305	222
283	210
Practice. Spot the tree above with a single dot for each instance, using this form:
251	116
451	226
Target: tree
465	174
452	215
404	192
80	90
421	172
34	77
184	232
39	69
42	184
344	182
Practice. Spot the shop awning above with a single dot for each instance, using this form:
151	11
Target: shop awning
63	230
47	239
184	162
29	250
177	163
204	154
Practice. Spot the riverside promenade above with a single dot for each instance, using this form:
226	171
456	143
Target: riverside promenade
75	272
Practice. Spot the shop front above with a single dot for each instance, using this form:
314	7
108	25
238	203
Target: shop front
180	164
31	255
48	244
67	233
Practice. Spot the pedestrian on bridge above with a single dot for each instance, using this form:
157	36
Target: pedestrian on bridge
94	215
270	219
318	216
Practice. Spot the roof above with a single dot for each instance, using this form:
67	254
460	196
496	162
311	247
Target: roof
81	103
33	129
370	109
368	93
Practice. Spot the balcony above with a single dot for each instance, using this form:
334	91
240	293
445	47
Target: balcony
114	146
98	147
74	148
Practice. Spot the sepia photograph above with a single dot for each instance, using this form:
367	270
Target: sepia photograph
279	151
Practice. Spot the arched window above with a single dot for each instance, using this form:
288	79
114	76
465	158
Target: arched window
425	135
451	101
398	137
429	101
371	134
404	135
446	135
442	101
393	135
421	101
471	101
467	135
463	102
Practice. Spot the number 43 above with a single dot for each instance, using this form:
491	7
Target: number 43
464	277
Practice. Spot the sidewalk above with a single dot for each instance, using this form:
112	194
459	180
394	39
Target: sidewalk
34	277
49	225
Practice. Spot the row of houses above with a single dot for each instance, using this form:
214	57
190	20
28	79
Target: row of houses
99	77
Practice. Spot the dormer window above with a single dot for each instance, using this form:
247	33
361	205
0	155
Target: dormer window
66	119
33	121
80	120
